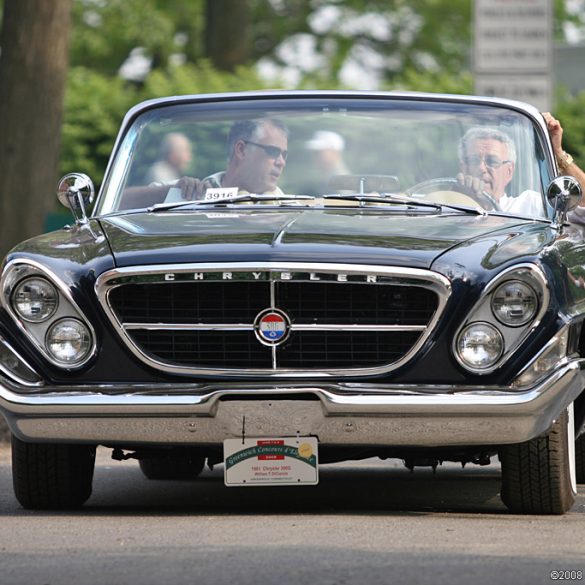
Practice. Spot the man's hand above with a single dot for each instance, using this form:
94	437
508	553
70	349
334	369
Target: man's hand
470	185
556	133
191	188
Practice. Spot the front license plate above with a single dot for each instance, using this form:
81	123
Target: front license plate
273	461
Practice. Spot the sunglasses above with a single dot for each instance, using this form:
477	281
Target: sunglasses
491	161
271	151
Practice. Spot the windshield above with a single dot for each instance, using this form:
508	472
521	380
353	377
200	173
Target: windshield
461	154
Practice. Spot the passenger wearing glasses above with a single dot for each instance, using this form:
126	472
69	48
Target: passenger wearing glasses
488	158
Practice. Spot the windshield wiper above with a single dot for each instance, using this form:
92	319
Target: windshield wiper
397	199
234	199
382	199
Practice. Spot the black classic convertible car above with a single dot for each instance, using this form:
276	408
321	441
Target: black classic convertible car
275	281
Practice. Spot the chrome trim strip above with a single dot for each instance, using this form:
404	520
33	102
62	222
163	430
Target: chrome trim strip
250	327
15	377
391	275
330	327
274	347
565	330
188	327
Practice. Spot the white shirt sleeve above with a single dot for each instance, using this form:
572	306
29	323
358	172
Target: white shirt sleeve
527	203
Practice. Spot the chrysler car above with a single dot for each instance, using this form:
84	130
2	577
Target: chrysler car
257	309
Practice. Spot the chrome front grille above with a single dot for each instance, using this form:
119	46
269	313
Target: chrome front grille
340	319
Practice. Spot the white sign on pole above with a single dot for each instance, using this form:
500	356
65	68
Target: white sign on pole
513	49
533	89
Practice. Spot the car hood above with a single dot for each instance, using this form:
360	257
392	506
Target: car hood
363	237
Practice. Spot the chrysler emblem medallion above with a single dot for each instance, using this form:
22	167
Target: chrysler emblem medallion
272	327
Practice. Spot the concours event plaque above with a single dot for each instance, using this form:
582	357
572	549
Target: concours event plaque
271	461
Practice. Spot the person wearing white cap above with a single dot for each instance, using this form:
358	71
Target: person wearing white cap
328	148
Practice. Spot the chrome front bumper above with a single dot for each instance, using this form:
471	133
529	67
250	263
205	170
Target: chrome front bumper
345	414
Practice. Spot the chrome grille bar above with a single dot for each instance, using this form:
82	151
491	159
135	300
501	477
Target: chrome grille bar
250	327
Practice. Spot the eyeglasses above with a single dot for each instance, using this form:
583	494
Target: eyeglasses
271	151
491	161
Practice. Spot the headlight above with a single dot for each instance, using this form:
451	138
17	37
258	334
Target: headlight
68	341
514	303
35	299
479	346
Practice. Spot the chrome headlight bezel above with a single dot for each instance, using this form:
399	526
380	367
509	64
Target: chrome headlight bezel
18	271
513	336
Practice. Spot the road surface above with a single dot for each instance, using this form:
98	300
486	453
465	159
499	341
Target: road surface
370	522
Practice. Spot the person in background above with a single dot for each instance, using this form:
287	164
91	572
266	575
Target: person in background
174	159
327	148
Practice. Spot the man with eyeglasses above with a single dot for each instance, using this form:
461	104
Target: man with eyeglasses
488	158
257	152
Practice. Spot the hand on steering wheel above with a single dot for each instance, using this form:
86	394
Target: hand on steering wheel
470	186
475	187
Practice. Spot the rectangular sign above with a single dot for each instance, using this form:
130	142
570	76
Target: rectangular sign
271	461
513	36
532	89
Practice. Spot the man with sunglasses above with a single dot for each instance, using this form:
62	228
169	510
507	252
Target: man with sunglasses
257	152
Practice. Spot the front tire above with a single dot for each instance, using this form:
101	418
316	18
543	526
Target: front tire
580	459
538	476
52	476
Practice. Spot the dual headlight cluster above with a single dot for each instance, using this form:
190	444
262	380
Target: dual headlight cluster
51	320
501	320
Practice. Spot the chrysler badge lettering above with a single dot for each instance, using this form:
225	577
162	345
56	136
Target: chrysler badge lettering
271	275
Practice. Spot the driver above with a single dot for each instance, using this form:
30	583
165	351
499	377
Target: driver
488	159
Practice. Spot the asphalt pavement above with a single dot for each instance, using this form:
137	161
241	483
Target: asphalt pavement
370	522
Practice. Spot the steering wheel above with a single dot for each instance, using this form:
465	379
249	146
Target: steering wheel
451	184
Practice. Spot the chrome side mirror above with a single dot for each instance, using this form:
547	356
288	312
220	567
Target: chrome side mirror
563	193
76	192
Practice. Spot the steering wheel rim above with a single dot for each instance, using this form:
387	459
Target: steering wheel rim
484	199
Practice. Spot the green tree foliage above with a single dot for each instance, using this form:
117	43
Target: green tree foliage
571	113
106	33
95	105
421	45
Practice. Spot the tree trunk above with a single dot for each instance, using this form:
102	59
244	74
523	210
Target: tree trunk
33	69
227	33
